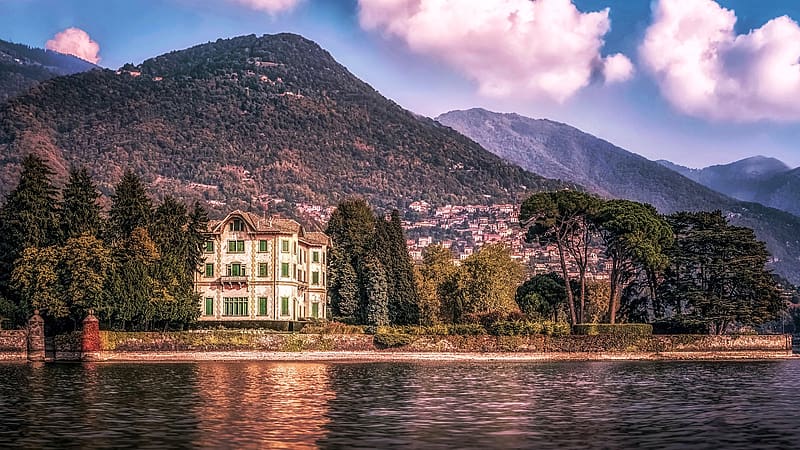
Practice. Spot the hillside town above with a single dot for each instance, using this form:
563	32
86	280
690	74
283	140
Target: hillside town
464	229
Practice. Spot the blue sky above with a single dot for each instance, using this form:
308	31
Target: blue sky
649	108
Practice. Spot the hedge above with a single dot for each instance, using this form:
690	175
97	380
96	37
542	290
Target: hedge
277	325
617	329
527	328
684	325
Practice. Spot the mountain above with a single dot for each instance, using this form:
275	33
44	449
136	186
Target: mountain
22	67
244	121
757	179
560	151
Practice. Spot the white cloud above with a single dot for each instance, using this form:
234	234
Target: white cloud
617	68
75	42
270	6
705	70
511	48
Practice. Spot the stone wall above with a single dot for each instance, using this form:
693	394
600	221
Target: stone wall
268	341
13	345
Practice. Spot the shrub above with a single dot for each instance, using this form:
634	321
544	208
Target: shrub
528	328
323	327
516	316
618	329
680	325
466	329
276	325
392	339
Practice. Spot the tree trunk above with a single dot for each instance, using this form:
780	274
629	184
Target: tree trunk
570	299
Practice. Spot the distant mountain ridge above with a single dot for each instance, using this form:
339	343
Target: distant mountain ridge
22	67
756	179
250	121
557	150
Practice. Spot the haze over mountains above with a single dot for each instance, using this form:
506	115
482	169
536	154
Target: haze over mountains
757	179
22	67
556	150
241	120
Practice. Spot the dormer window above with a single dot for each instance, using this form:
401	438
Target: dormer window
236	225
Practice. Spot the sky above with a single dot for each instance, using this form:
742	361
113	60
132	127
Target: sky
696	82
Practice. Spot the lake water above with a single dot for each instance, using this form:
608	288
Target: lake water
389	405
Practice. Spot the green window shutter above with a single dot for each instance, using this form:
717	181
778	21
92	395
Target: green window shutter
284	246
262	246
262	306
209	247
315	278
240	246
285	270
315	257
263	270
209	270
231	246
315	310
209	306
284	306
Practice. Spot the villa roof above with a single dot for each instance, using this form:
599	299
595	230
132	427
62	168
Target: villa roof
262	224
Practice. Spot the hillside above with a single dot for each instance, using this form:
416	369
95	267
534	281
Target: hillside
560	151
757	179
243	121
22	67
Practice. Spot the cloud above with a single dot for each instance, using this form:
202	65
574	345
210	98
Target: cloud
706	70
75	42
511	48
270	6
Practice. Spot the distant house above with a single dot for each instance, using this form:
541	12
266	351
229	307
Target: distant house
258	268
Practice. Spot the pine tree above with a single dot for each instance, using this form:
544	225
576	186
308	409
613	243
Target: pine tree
27	219
402	290
80	212
374	295
130	208
342	286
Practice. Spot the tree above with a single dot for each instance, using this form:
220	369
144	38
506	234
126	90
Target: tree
436	269
35	280
543	296
80	212
342	287
390	246
635	236
564	218
28	218
130	207
84	264
717	273
375	293
485	282
130	286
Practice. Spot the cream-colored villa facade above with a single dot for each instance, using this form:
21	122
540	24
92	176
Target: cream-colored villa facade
258	268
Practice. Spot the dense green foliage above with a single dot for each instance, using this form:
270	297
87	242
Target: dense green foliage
371	277
249	116
140	277
623	329
543	296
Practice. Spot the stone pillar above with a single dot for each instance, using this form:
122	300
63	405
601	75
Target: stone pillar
36	337
90	340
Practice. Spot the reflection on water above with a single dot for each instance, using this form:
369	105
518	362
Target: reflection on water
421	405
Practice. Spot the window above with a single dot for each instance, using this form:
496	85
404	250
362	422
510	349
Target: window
209	247
323	278
237	270
285	270
235	306
315	310
284	306
284	246
235	246
262	246
315	278
263	270
323	257
294	250
237	225
209	270
315	257
209	310
262	306
294	271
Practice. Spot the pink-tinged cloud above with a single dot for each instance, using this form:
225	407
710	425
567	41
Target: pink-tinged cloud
617	68
270	6
544	49
75	42
704	69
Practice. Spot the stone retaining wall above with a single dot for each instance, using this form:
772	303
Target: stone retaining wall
13	345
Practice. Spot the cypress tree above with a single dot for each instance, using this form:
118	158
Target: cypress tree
80	212
374	292
27	219
403	295
130	207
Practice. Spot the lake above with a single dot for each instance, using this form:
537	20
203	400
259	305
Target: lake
390	405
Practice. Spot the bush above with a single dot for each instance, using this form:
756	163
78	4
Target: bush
617	329
323	327
466	329
527	328
680	325
276	325
392	339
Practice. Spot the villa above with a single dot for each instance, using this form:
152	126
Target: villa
262	268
